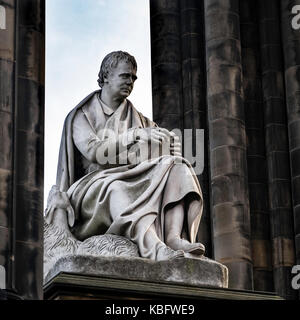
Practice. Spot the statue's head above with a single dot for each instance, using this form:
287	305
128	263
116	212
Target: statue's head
118	69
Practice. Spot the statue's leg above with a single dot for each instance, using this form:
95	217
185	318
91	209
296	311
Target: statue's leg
174	218
162	252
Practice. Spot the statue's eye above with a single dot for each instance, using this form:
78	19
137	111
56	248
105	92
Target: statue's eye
127	76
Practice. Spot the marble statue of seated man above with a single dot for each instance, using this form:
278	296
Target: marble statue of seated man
107	186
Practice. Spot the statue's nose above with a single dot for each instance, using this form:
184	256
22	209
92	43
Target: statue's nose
130	80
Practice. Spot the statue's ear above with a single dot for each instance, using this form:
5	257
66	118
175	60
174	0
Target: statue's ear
105	79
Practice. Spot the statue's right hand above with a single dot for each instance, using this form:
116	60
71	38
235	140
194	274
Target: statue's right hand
59	201
157	135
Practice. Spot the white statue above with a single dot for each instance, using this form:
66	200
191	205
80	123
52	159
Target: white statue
106	185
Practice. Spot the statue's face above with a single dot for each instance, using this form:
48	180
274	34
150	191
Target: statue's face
120	80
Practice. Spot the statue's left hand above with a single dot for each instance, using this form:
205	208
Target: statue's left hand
58	200
176	149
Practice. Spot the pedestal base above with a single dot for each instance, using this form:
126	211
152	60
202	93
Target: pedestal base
198	272
89	278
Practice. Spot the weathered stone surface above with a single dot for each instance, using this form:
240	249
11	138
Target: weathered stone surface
228	189
60	242
30	164
190	20
5	141
228	160
158	6
282	221
296	186
7	35
166	24
217	5
291	54
165	50
228	21
283	276
252	57
30	115
276	137
4	246
166	74
32	14
192	47
170	121
21	160
225	105
28	271
227	132
238	267
6	85
5	193
167	100
199	272
27	226
227	139
32	58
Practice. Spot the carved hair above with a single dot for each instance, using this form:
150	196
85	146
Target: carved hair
111	61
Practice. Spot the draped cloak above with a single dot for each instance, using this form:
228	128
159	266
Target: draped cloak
122	199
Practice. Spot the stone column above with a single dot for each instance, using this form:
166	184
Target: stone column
29	148
256	155
227	139
7	104
194	96
166	63
277	152
291	44
21	208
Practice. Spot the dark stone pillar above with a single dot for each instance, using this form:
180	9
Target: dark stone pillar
29	152
277	146
256	159
227	138
24	136
7	99
166	63
291	45
194	96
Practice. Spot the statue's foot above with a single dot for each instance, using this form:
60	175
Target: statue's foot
181	244
166	253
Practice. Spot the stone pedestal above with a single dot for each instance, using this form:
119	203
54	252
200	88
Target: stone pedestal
96	278
199	272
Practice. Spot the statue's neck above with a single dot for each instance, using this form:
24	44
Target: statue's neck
109	100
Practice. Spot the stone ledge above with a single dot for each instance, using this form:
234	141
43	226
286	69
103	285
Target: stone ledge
67	286
186	271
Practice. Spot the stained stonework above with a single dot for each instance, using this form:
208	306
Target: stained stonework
198	272
246	99
21	142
